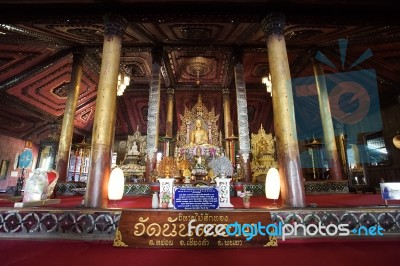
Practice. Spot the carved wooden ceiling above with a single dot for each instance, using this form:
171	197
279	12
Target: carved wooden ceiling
199	40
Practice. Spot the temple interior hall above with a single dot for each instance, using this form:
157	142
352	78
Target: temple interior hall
144	114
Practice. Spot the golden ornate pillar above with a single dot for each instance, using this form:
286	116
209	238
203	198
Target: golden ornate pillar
243	120
292	188
170	121
170	113
228	127
67	128
104	119
153	113
335	172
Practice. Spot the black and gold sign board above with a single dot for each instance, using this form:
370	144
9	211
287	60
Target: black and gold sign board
194	229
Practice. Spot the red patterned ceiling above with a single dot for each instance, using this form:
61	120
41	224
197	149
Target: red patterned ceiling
198	58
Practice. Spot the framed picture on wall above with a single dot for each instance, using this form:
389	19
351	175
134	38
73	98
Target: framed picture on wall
3	168
47	155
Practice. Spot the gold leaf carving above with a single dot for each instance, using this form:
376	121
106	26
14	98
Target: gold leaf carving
118	239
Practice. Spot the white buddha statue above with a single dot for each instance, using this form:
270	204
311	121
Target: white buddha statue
134	149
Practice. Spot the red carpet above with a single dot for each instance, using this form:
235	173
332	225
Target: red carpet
324	200
306	252
144	202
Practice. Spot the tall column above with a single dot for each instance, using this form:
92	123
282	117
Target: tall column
104	119
67	128
170	113
153	116
169	124
227	124
243	120
342	140
292	189
327	124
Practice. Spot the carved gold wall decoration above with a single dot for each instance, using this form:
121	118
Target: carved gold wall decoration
208	119
263	150
118	239
273	242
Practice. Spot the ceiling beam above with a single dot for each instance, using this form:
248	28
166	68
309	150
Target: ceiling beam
35	70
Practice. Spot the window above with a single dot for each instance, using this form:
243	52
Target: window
376	149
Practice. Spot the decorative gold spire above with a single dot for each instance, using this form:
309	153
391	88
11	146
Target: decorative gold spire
199	107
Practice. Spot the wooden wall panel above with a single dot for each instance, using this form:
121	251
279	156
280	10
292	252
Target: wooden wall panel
9	148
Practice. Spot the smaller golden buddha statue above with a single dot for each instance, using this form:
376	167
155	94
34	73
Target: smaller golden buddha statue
199	136
199	169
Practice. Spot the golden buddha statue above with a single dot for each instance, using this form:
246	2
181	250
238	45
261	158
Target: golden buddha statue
199	169
199	136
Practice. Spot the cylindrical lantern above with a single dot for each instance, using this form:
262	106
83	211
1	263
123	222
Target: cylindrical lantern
116	184
272	184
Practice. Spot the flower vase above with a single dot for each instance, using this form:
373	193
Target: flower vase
246	204
238	186
155	187
164	205
154	201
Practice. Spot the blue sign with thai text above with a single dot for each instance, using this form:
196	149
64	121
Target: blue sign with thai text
196	198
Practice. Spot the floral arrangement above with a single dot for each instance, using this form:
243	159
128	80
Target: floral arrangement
221	166
245	195
166	196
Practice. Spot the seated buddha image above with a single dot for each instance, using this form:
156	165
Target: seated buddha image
199	135
264	148
200	163
134	149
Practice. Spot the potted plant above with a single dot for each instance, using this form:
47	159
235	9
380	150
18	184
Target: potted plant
165	199
246	195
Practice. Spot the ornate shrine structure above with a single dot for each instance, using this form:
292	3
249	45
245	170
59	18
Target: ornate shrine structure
263	150
133	164
198	139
